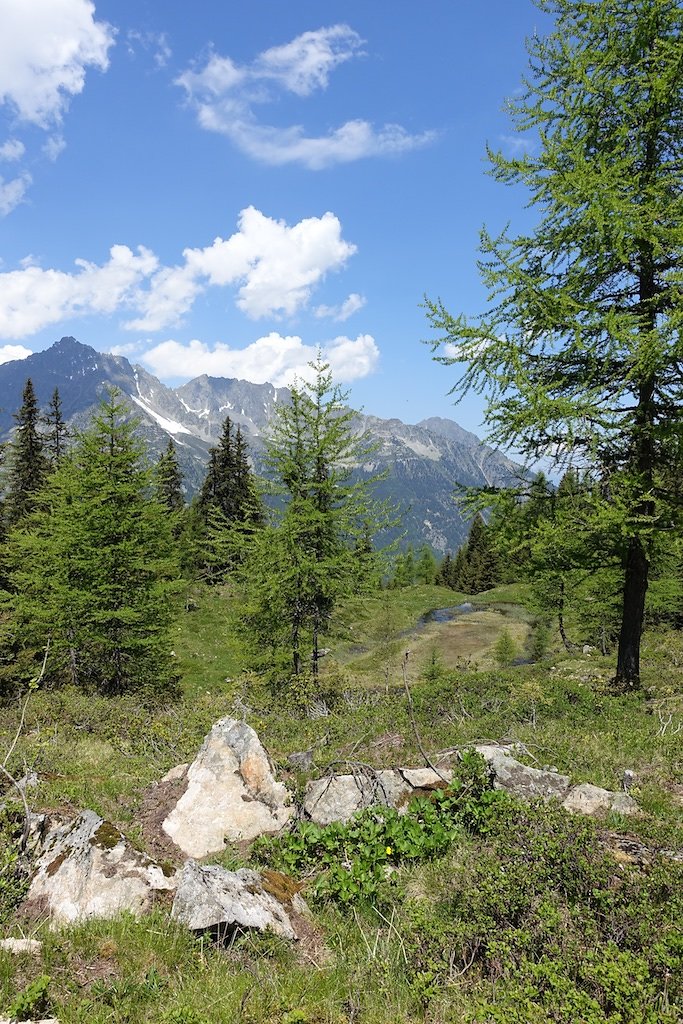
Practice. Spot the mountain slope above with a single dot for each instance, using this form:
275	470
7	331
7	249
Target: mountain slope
423	462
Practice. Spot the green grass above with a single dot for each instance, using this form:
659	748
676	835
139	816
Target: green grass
102	753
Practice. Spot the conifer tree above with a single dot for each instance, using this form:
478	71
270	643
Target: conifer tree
580	350
303	564
27	462
168	479
94	571
56	437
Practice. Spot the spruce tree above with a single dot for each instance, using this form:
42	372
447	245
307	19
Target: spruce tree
94	570
580	350
27	461
168	480
56	437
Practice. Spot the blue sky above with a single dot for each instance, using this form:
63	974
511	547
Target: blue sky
221	188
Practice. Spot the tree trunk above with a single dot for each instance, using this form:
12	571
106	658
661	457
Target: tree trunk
635	589
568	645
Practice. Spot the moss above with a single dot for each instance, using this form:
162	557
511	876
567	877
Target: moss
107	836
282	887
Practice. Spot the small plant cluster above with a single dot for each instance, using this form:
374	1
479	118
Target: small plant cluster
349	861
13	880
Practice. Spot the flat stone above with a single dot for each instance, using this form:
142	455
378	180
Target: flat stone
210	897
175	774
87	869
231	794
517	778
21	945
588	799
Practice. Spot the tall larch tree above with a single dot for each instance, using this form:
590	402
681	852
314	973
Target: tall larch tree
580	352
56	436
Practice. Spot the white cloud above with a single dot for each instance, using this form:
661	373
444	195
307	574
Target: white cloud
46	47
33	298
276	359
226	94
12	192
54	146
10	352
12	150
274	268
155	43
341	313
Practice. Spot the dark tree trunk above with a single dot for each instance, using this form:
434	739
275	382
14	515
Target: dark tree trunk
635	589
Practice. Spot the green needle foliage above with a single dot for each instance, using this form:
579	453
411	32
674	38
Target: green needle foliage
317	550
27	462
580	350
94	569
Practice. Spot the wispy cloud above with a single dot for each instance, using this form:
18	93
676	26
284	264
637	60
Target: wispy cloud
341	313
272	267
154	43
226	96
276	359
12	150
12	192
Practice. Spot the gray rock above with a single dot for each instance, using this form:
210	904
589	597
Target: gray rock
231	793
588	799
88	869
301	760
339	797
209	897
528	783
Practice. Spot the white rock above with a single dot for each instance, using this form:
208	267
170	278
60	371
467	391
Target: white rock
88	869
21	945
209	897
231	793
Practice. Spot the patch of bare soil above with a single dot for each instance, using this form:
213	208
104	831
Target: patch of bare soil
157	802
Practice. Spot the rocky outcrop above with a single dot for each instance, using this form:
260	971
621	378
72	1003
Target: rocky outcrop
87	868
517	778
528	783
231	793
587	799
211	898
339	797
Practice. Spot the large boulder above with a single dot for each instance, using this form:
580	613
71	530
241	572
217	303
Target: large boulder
211	898
517	778
231	793
87	868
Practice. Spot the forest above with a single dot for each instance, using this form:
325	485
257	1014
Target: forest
132	620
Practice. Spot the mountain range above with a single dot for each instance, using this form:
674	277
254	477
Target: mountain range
423	462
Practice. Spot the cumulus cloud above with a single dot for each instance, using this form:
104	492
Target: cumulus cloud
341	313
33	298
276	359
225	96
273	267
46	46
12	192
10	352
12	150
